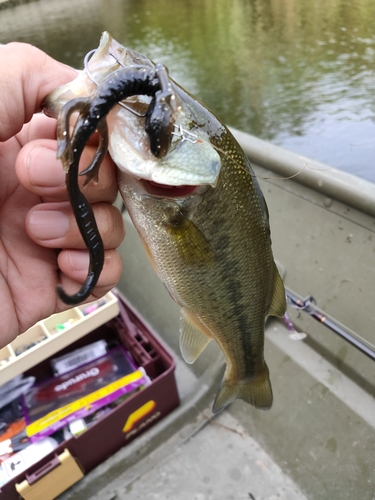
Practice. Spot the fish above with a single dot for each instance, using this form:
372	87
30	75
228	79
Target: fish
196	203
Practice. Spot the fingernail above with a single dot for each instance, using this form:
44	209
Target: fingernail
79	260
45	170
48	224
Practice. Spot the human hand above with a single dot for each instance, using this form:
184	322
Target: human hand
40	244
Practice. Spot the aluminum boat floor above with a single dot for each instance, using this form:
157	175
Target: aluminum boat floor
221	461
210	459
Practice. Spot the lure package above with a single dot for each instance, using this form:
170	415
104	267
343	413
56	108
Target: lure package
78	357
58	401
12	421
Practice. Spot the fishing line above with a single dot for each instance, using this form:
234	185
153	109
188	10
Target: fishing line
86	66
91	76
297	173
306	166
254	175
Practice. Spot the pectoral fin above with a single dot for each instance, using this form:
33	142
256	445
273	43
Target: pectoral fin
256	391
278	303
192	339
190	243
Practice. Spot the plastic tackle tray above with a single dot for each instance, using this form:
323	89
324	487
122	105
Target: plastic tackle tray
51	335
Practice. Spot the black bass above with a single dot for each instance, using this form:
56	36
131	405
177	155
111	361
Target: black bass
193	197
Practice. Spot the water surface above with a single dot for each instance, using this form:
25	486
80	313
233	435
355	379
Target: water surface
298	73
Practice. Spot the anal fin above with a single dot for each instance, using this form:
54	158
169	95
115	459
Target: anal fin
192	339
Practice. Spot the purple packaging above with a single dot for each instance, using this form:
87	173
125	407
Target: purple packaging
52	404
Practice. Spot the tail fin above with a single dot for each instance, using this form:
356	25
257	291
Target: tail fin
256	391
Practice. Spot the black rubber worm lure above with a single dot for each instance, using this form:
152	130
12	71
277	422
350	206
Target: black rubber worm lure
92	116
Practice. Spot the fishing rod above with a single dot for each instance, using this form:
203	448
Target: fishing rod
308	306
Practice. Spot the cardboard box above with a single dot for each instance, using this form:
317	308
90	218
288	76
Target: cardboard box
82	453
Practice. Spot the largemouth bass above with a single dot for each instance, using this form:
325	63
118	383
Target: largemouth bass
194	199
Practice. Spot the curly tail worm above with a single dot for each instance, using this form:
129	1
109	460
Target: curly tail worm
84	216
92	116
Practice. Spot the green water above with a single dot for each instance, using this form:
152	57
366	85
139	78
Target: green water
299	73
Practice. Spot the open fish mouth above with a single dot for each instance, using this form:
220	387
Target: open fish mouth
166	191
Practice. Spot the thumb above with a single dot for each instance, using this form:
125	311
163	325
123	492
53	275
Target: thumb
27	76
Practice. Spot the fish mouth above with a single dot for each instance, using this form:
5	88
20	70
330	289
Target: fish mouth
167	191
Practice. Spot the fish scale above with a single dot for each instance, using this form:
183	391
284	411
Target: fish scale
229	291
200	213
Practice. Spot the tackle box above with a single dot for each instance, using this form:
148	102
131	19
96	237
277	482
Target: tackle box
49	336
74	457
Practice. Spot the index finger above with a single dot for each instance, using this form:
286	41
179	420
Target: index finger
29	77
